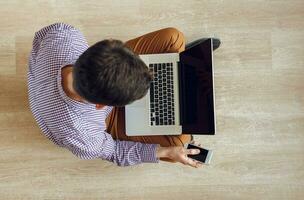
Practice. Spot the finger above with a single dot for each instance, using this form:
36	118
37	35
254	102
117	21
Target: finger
192	151
192	163
197	163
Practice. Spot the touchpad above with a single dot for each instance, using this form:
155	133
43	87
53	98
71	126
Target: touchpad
139	103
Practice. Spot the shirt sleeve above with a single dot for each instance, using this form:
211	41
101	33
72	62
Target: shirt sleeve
100	144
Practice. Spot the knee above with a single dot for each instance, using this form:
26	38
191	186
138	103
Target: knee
175	38
171	31
175	34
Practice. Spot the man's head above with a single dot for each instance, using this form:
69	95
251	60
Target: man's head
109	73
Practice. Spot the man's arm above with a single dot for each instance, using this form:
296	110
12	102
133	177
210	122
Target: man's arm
162	152
132	153
93	145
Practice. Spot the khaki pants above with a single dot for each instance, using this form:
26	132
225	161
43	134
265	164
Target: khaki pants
168	40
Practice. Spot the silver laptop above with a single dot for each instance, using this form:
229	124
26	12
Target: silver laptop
181	95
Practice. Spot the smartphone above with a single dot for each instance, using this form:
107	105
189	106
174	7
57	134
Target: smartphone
204	156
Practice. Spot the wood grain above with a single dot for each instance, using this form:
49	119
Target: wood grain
259	73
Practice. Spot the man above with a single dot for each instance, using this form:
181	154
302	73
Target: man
77	94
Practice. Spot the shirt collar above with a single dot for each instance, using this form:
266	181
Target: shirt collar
71	102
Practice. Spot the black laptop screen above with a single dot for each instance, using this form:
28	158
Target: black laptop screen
196	89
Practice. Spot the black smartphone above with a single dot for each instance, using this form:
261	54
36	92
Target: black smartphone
204	156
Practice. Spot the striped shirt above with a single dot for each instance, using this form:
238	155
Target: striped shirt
77	126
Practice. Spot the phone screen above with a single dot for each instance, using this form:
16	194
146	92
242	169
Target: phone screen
199	157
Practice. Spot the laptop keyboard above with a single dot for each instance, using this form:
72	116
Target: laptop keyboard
161	95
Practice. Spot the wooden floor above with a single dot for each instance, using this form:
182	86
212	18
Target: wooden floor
259	78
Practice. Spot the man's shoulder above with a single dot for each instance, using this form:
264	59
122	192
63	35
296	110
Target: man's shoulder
57	37
54	28
54	46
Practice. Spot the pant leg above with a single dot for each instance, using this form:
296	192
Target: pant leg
168	40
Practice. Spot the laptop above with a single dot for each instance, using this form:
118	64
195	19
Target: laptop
181	95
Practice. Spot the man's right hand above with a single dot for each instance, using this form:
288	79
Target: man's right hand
179	154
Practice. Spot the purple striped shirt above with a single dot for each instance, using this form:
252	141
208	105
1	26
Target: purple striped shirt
77	126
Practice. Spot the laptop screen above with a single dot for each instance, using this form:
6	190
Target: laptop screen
196	89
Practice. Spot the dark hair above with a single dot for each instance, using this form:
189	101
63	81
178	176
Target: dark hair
110	73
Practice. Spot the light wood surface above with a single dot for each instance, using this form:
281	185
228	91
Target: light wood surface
259	79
